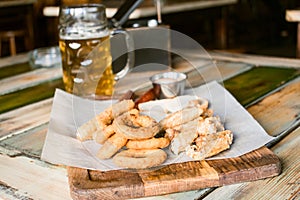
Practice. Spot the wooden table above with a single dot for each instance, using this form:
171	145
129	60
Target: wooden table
268	87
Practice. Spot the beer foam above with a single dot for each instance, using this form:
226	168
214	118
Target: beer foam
84	36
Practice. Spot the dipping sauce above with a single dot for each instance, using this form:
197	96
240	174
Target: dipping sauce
169	84
165	81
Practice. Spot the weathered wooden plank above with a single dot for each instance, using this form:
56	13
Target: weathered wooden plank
9	193
11	60
219	71
284	104
29	95
13	65
33	179
29	79
14	69
195	64
257	82
194	194
25	118
256	60
202	71
29	143
284	186
87	184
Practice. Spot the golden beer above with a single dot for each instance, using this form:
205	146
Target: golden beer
84	41
87	65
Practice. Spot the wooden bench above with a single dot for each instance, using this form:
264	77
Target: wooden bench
11	37
294	16
17	20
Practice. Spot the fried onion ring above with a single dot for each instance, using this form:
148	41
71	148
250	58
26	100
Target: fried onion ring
121	107
100	122
140	159
134	126
152	143
85	131
111	146
101	135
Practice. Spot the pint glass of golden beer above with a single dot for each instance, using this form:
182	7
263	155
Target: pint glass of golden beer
84	41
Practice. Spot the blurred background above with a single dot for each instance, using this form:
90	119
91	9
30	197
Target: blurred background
244	26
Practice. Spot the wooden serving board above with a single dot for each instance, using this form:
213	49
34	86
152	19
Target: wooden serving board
122	184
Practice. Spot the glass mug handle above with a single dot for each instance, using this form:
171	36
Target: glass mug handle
130	53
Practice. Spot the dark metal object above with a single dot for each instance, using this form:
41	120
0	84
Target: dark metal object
124	12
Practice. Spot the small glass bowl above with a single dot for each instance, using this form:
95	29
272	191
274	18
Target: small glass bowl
46	57
169	84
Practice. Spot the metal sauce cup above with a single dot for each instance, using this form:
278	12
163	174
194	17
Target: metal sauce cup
169	84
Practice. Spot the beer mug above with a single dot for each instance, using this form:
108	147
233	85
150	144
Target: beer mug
84	41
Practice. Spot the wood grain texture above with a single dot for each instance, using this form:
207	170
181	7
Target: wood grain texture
257	82
284	104
200	71
29	143
284	186
12	60
257	60
29	95
25	118
29	79
219	71
193	194
15	69
33	179
86	184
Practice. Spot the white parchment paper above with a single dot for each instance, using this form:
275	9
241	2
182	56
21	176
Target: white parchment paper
69	112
